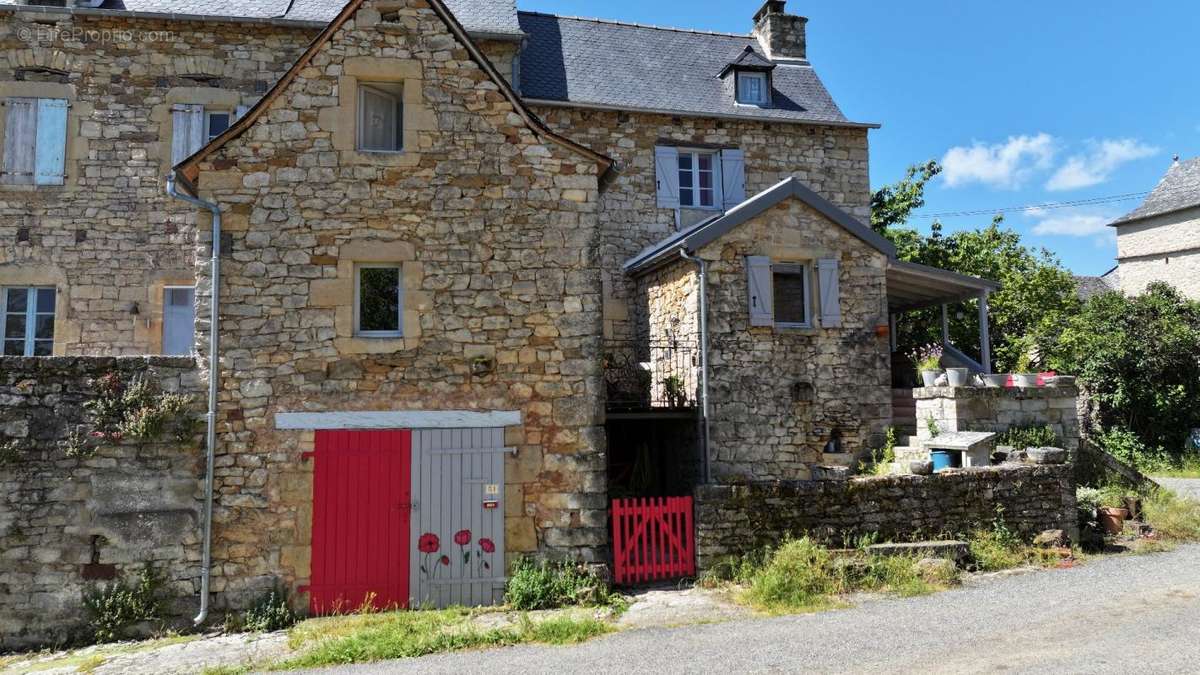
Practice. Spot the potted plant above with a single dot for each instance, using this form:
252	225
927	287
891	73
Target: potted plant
957	377
929	361
995	380
1024	375
1111	512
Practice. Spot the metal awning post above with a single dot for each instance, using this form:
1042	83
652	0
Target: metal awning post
892	331
945	325
985	337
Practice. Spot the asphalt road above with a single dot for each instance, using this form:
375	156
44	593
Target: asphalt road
1130	614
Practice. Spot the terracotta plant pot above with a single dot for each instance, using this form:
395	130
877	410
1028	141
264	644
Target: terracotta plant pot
1112	519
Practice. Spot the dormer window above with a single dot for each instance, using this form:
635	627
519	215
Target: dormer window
752	88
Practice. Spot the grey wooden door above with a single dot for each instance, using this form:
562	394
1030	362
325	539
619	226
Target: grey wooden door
458	517
179	320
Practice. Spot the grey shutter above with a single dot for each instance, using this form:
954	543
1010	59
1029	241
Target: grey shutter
187	131
733	177
831	301
666	174
758	281
51	141
20	140
240	111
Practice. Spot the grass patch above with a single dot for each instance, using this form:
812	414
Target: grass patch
1172	517
549	584
394	635
1187	466
999	548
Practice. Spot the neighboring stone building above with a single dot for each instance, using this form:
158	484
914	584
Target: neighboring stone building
1160	240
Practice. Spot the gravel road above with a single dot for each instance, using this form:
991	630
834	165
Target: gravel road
1184	487
1116	615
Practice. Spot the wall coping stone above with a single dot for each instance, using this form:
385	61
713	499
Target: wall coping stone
1018	393
34	363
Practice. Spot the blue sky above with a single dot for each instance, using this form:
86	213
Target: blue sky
1025	102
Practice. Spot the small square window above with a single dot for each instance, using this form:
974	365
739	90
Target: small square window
752	88
698	179
790	289
216	123
378	301
381	118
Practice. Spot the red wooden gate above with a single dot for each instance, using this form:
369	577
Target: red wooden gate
362	501
653	539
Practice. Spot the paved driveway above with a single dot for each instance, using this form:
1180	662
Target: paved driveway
1127	614
1184	487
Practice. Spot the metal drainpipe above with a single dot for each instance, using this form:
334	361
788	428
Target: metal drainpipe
702	266
214	339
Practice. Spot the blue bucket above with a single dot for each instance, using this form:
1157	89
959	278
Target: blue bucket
945	459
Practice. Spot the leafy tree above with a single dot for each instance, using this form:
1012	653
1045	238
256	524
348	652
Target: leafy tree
1140	358
892	204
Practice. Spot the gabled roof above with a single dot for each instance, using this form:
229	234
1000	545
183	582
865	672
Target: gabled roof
189	168
621	66
482	18
704	233
748	60
1179	189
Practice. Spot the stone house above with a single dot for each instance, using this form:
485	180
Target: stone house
1160	239
544	260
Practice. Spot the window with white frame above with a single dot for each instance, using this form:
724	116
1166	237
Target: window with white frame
699	179
215	123
381	117
378	300
28	320
792	295
752	88
35	141
193	126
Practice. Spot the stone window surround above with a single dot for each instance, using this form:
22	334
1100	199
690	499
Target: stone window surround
807	257
66	330
76	146
209	97
342	120
338	294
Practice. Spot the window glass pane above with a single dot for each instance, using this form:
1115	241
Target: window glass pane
379	299
380	120
179	297
217	124
14	348
44	328
45	300
706	162
707	197
685	197
43	348
14	326
685	162
18	299
790	298
685	179
706	180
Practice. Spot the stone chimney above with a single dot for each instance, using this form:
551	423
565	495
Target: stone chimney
781	35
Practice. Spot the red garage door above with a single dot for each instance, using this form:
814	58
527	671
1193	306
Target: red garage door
362	501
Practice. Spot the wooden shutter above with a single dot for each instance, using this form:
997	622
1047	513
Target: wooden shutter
240	111
758	280
831	301
51	141
187	131
20	140
733	177
666	173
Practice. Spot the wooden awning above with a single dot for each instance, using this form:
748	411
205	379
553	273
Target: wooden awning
913	286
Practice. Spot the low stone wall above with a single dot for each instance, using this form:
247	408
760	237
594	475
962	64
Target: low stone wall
999	409
736	519
66	520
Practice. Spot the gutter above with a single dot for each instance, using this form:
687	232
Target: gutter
214	338
580	105
702	267
162	16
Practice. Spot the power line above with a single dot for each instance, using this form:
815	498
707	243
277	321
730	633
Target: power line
1036	207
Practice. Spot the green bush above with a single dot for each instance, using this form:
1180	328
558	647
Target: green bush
550	584
270	612
115	607
1024	437
799	574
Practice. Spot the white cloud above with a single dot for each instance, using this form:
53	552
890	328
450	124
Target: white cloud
1003	165
1098	163
1081	223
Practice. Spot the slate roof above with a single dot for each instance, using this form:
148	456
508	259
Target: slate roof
484	17
1089	287
1179	189
630	66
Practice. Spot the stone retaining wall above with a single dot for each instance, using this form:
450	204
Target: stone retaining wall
1000	409
736	519
63	518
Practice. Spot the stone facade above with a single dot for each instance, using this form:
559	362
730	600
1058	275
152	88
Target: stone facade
64	519
738	519
494	231
1161	248
954	409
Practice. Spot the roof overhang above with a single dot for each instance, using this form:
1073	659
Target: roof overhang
912	286
587	105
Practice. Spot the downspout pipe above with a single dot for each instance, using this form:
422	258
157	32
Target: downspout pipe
214	338
702	268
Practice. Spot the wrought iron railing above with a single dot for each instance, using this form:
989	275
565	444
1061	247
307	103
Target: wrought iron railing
644	375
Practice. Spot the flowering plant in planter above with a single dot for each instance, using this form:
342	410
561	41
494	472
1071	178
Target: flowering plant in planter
928	360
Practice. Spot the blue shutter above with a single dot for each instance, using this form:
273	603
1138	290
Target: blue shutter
51	141
733	177
759	283
831	301
666	174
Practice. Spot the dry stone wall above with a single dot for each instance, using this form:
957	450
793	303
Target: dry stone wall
494	231
66	520
739	519
952	409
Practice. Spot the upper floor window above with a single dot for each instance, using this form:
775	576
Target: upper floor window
699	179
693	178
28	316
752	88
381	117
35	141
378	301
193	126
